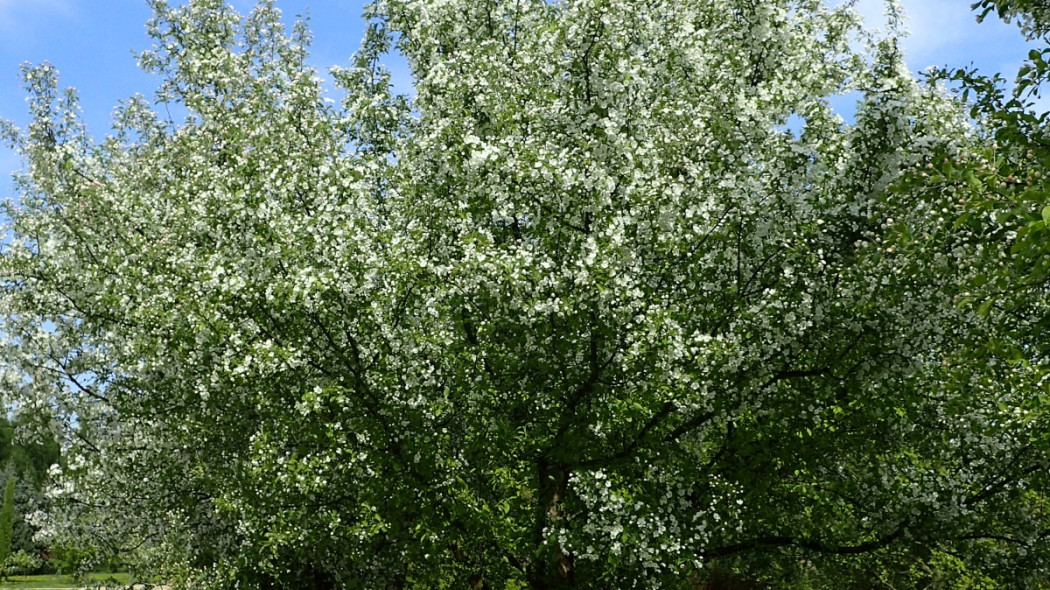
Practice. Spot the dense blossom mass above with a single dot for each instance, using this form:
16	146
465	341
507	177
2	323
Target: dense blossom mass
616	300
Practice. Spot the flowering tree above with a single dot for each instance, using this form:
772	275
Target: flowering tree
1003	213
616	300
1004	184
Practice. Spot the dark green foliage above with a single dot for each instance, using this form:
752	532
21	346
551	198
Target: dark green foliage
26	460
1032	15
29	459
7	518
1004	187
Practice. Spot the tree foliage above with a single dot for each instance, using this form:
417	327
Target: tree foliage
7	520
24	454
585	312
1032	15
1008	192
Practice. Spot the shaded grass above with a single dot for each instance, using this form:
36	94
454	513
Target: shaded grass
57	581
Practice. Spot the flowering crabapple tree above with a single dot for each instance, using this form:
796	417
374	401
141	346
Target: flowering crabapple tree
615	300
1003	184
998	197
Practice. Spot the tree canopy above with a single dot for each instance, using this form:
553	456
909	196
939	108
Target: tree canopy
615	300
23	455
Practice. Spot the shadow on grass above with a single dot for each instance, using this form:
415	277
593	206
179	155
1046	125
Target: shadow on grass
59	581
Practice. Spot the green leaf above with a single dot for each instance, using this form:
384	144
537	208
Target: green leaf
985	307
961	221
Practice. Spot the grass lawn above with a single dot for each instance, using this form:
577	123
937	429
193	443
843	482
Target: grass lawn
56	581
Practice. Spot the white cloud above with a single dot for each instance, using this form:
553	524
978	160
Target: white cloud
933	25
945	32
936	25
872	11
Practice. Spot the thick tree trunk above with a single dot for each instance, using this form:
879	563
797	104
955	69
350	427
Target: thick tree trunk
322	580
554	570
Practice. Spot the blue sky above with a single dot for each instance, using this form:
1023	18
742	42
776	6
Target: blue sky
93	43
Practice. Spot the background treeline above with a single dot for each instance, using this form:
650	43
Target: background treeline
27	460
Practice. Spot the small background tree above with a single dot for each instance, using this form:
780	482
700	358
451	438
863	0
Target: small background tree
7	521
27	451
